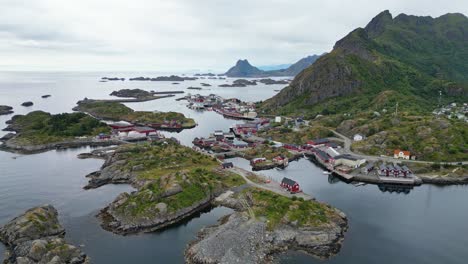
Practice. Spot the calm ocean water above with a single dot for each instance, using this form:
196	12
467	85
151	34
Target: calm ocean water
428	225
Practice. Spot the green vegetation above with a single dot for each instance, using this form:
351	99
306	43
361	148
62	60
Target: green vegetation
278	209
407	59
288	135
118	111
404	60
42	128
175	175
439	169
426	137
162	158
266	151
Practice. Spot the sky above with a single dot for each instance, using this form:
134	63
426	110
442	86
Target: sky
183	35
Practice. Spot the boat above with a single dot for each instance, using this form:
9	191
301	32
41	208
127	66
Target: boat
326	172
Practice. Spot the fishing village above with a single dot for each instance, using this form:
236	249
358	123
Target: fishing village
243	140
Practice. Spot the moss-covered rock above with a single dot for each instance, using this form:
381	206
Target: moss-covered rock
37	237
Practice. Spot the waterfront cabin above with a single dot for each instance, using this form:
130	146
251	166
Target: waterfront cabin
383	170
227	165
390	169
292	147
318	142
401	154
397	170
368	168
323	156
406	171
290	185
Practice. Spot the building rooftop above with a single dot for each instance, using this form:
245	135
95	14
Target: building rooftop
288	181
347	156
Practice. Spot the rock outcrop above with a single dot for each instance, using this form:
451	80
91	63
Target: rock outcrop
37	237
172	78
239	238
239	83
28	103
6	110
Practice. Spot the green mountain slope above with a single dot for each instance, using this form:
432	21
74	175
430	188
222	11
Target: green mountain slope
406	59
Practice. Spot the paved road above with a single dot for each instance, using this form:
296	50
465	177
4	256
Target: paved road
347	148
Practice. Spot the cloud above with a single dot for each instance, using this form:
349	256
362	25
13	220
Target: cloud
182	34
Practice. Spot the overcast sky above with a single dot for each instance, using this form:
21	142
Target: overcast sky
183	35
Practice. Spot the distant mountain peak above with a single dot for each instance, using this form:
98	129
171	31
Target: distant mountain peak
244	69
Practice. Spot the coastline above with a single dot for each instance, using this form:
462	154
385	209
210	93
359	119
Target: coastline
10	146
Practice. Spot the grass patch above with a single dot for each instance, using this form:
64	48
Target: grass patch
278	209
118	111
39	127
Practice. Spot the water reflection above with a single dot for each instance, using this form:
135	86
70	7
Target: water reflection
395	188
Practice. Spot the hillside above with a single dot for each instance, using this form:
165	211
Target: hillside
406	59
244	69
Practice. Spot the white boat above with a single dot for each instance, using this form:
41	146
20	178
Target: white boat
326	172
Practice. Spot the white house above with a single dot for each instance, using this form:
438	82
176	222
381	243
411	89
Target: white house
401	154
358	137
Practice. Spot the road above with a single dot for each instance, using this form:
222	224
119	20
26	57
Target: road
347	149
272	186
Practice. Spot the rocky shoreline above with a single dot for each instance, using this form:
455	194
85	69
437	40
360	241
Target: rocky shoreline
10	144
440	180
111	221
38	237
240	238
6	110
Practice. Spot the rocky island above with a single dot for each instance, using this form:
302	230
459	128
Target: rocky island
40	131
6	110
269	223
140	95
270	81
239	83
116	111
173	182
38	237
172	78
112	79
